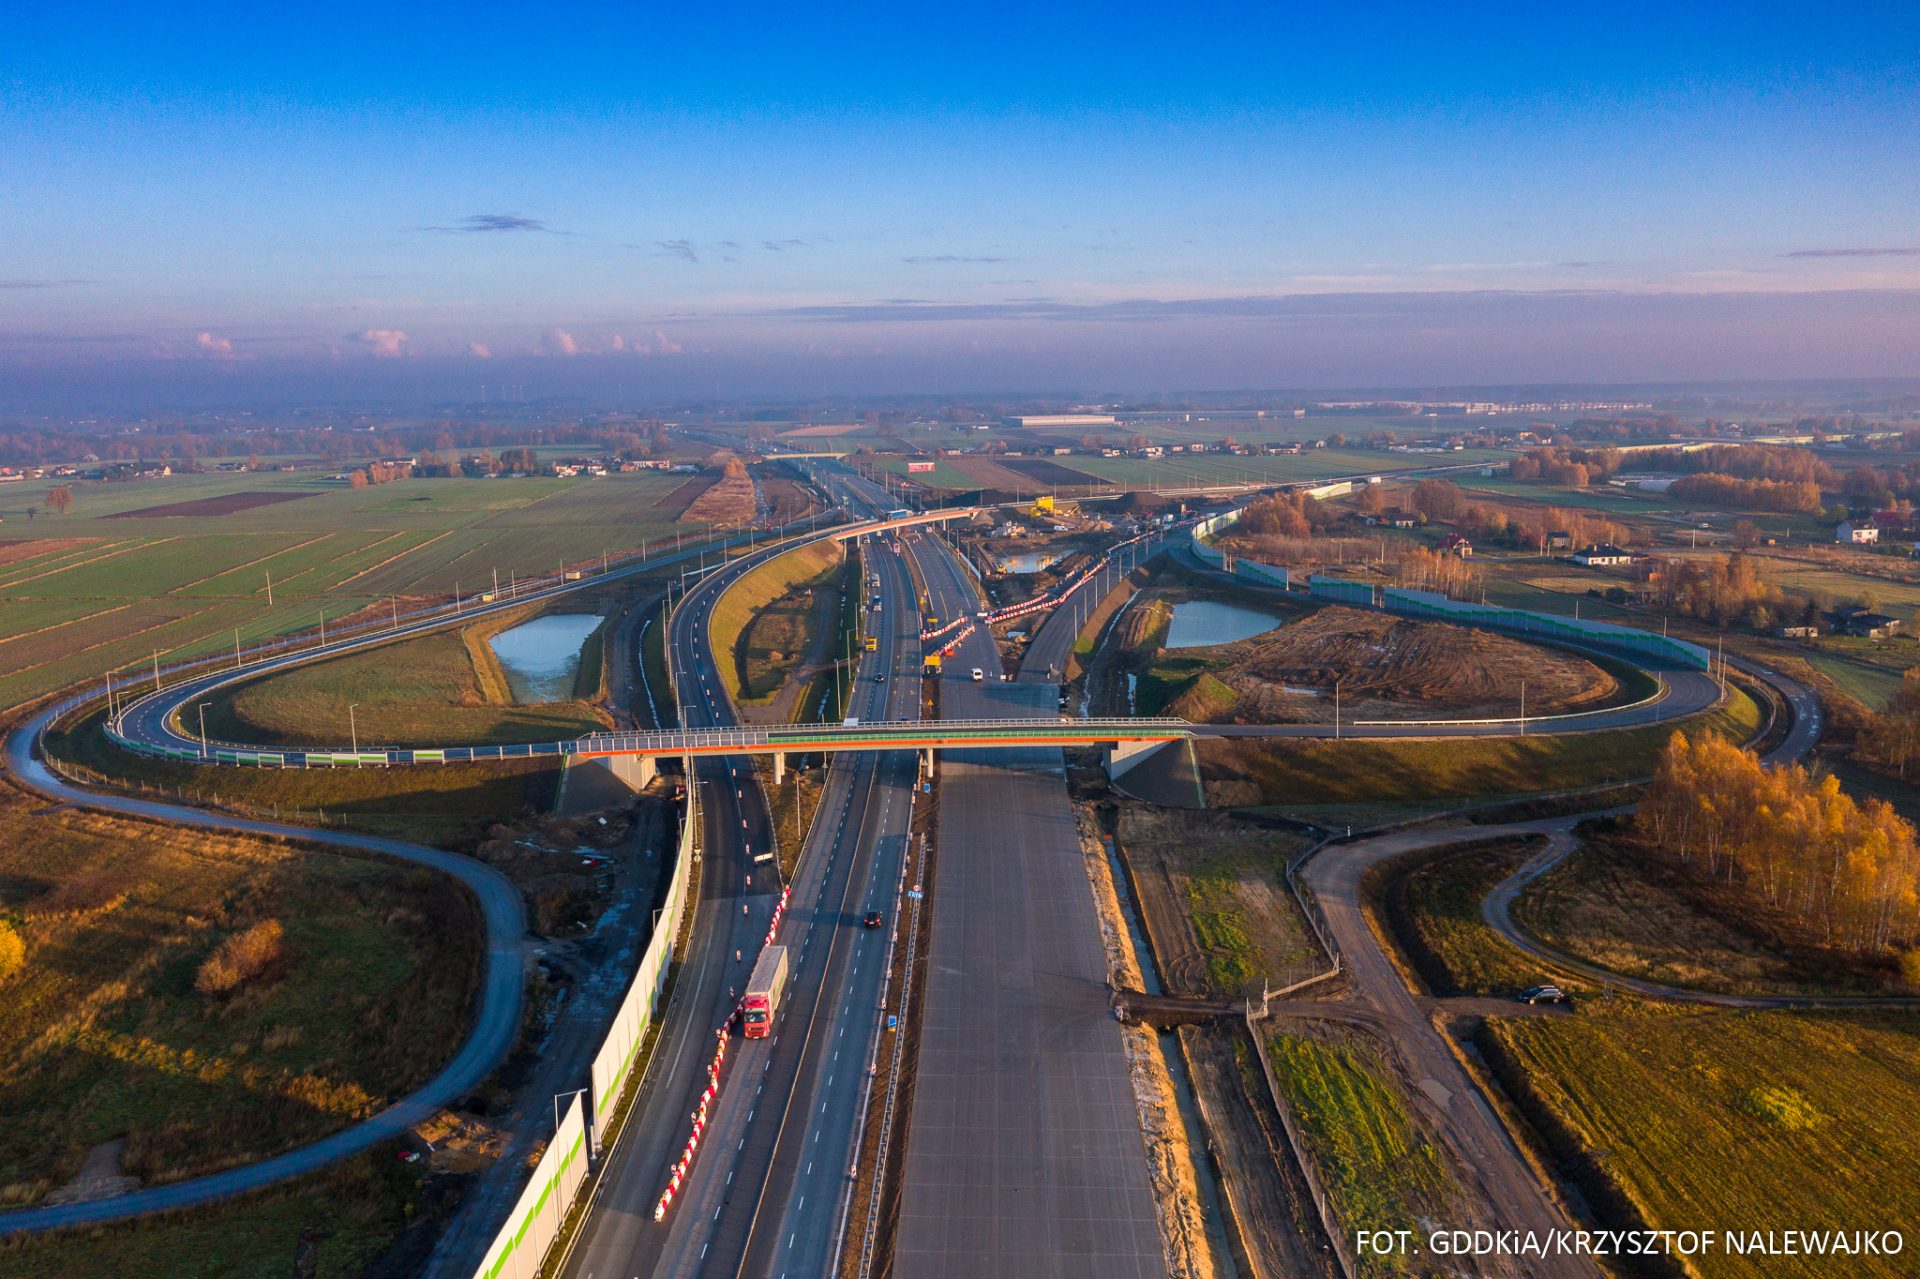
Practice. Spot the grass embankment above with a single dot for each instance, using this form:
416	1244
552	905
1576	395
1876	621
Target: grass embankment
1379	1171
1214	895
1616	903
1722	1120
653	662
1446	771
1430	906
760	654
441	689
103	1034
446	805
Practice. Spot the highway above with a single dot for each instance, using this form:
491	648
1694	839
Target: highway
764	1194
1024	1152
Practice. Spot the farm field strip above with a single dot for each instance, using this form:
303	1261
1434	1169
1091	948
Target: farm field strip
40	617
393	558
98	556
324	542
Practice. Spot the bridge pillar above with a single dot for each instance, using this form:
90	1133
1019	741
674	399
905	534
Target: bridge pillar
1123	756
926	762
637	771
779	767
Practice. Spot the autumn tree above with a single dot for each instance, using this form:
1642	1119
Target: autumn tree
1849	872
60	500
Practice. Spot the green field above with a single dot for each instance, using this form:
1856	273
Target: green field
1725	1120
1379	1170
1430	905
446	688
81	594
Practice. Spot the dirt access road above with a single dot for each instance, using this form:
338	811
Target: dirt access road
1483	1151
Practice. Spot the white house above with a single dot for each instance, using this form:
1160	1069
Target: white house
1603	556
1861	534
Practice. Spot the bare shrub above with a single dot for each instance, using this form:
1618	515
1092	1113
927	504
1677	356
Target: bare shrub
241	959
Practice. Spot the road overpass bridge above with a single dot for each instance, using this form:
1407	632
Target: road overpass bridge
633	756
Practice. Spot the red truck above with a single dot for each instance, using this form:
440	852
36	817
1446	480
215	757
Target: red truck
765	988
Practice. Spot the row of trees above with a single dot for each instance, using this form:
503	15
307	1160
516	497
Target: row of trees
1850	873
1796	497
1572	468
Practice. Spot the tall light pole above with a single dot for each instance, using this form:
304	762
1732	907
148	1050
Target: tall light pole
203	730
353	728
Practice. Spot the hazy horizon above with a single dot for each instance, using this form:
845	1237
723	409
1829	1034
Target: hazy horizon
664	206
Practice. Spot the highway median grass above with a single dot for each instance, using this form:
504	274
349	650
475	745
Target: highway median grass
749	673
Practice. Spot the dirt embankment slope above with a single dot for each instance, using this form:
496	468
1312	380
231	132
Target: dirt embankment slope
1390	667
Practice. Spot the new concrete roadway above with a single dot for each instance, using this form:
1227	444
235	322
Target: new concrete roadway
1024	1153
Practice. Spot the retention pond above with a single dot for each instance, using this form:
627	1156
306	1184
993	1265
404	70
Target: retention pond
541	658
1202	623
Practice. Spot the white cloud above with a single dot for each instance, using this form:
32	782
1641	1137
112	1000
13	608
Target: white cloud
219	348
616	343
559	342
661	345
479	350
385	344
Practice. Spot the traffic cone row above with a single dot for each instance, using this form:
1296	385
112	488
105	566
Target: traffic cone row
779	913
700	1116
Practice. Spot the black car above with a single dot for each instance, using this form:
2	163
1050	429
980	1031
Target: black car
871	919
880	679
1543	995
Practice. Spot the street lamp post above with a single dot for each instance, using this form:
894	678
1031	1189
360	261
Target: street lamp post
203	730
353	728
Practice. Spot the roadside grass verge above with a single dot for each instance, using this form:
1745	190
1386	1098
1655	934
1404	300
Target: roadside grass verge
446	805
103	1034
443	689
331	1225
1691	1119
1429	905
1379	1170
1284	774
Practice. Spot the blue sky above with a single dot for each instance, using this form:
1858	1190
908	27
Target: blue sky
970	198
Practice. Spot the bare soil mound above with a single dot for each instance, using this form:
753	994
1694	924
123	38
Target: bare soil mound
1391	668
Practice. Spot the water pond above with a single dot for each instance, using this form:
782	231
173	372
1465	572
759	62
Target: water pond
1027	562
1200	623
542	657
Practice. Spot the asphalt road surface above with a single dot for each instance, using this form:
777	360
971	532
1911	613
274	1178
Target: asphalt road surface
1024	1154
765	1193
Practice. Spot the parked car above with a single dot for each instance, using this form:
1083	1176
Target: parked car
1543	995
